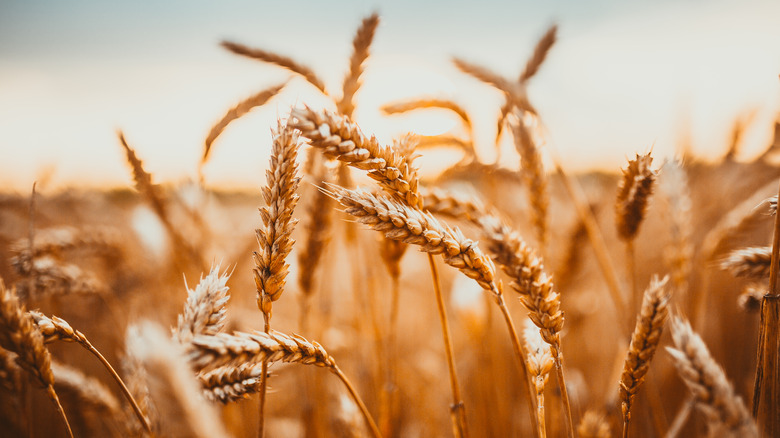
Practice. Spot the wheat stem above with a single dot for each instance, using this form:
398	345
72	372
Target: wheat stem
458	408
767	381
363	409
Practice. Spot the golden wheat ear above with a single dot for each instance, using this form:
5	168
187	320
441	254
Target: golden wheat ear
278	60
715	396
19	334
235	113
360	46
644	341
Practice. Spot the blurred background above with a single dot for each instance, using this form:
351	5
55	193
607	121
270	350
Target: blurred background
623	77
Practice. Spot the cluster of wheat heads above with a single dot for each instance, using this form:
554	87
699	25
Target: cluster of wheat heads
417	349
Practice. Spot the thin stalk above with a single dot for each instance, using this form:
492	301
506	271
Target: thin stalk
382	375
31	241
53	396
263	384
558	357
391	389
631	272
681	418
394	304
656	405
766	392
458	409
542	430
522	355
598	244
366	415
141	417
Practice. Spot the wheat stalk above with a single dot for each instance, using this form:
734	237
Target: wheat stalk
57	329
88	391
706	380
18	334
208	352
644	341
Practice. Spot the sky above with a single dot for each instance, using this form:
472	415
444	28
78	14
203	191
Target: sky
624	76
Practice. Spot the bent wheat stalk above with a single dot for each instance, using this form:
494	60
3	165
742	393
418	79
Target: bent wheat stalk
57	329
411	225
18	334
208	352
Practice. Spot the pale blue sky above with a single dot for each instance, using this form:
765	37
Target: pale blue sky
624	76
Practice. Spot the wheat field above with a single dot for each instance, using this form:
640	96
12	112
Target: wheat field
355	295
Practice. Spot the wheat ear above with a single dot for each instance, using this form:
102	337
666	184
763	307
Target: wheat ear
10	373
235	113
634	191
274	238
204	311
540	363
540	53
360	45
208	352
593	425
410	225
231	383
19	334
338	137
534	176
49	276
416	104
536	289
153	195
89	391
279	60
644	341
752	262
706	380
57	329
